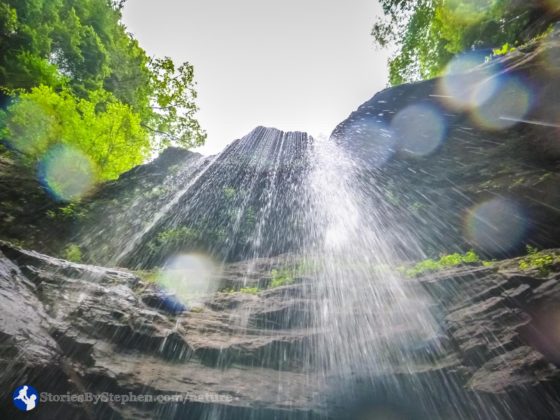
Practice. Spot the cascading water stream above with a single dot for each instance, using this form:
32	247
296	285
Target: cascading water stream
375	318
370	328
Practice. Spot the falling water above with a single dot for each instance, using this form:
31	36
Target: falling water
270	193
373	317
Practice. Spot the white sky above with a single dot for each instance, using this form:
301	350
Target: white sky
290	64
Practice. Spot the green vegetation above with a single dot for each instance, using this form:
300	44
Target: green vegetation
75	76
147	276
107	131
542	261
446	261
174	238
278	277
73	253
428	33
283	277
250	290
505	49
187	238
229	193
72	211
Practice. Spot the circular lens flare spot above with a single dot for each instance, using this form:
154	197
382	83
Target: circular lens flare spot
419	129
507	106
465	86
496	226
370	141
66	173
29	127
190	277
549	55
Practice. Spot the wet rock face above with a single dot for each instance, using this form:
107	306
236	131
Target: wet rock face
24	207
442	175
439	166
75	328
490	314
247	201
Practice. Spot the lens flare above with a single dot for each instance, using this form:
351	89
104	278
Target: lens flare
190	277
29	127
495	226
510	102
544	332
550	58
66	173
464	86
370	141
419	129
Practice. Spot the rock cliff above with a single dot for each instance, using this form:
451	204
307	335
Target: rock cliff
487	180
438	159
70	328
444	175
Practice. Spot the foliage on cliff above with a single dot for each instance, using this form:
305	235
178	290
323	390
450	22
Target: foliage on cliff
428	33
74	75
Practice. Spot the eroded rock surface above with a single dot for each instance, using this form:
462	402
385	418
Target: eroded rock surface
75	328
432	192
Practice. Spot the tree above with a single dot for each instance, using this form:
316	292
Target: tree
83	79
104	129
428	33
173	104
81	40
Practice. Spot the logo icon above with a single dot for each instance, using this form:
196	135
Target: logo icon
25	398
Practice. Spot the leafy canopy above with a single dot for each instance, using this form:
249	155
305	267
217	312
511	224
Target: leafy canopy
83	80
428	33
100	126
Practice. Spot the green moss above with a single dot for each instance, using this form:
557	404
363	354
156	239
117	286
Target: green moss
147	276
281	278
73	211
505	49
542	261
250	290
445	261
73	253
174	238
246	290
229	193
20	243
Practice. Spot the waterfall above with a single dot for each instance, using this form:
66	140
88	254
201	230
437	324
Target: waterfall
272	193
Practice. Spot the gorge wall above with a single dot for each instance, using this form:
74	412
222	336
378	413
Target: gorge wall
69	328
453	178
447	177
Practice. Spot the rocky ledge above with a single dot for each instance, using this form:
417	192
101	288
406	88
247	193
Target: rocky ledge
71	328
